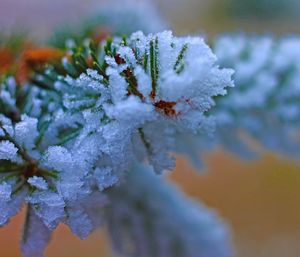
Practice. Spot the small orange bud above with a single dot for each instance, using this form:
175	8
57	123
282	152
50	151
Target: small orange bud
33	58
6	60
166	107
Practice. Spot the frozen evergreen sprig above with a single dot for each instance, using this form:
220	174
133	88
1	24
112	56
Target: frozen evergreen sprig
126	86
264	105
73	130
153	218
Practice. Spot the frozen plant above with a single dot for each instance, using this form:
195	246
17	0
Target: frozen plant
74	129
137	218
124	90
264	104
153	218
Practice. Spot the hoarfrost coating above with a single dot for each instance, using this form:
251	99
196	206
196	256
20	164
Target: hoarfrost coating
153	218
65	138
264	104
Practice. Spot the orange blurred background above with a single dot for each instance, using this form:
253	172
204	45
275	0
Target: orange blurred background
259	199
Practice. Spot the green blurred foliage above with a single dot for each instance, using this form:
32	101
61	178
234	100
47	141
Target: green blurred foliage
264	9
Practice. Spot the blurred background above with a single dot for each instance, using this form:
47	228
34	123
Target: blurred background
259	199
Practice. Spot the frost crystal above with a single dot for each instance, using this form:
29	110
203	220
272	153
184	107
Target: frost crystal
5	192
8	151
105	178
38	182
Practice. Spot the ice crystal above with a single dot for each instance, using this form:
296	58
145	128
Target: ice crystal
8	151
38	182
